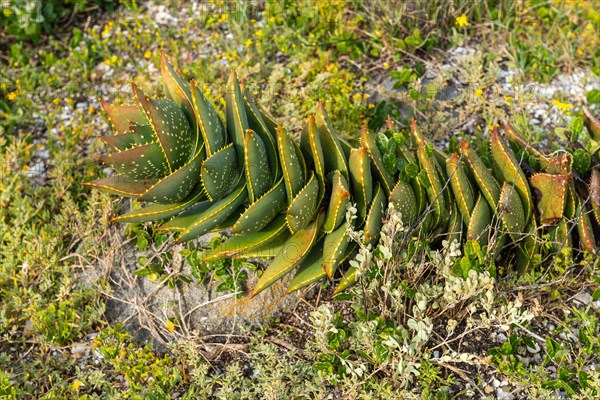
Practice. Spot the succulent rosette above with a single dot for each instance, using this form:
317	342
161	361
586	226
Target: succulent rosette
287	200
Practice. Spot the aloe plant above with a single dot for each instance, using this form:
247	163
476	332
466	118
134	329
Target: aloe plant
287	200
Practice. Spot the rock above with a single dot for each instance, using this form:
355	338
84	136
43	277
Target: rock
502	337
198	310
583	298
502	395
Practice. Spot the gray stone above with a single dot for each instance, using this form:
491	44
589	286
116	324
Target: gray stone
199	310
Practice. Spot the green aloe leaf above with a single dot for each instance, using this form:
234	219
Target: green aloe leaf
293	173
141	162
374	221
487	184
347	280
340	195
386	179
309	270
219	172
235	115
594	189
333	155
304	206
528	248
239	243
178	185
258	124
585	229
592	124
511	210
176	88
161	211
122	116
434	189
296	248
262	211
455	225
461	186
256	166
514	137
211	128
266	250
218	212
481	219
310	144
171	127
405	202
181	222
334	249
123	186
362	181
137	136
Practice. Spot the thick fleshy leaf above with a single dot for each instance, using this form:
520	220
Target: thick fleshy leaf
506	162
333	155
479	226
514	137
340	195
551	193
122	116
267	250
455	225
177	89
592	124
155	212
210	125
461	186
560	164
239	243
293	174
310	144
511	210
560	237
404	200
528	248
141	162
235	115
123	186
374	221
487	183
362	181
171	126
219	172
386	179
309	270
262	211
434	188
267	135
347	280
218	212
256	166
181	222
594	189
304	206
585	229
334	249
176	186
296	248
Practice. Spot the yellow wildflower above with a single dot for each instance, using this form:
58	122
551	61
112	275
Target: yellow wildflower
170	325
562	106
479	92
76	385
56	101
7	12
386	66
12	95
248	42
259	33
462	21
69	101
147	54
508	99
4	86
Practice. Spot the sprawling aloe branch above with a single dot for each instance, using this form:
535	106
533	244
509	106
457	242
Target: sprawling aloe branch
287	200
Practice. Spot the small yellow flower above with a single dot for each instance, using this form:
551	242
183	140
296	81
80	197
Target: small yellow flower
4	86
69	101
114	59
147	54
56	101
462	21
386	66
479	92
7	12
248	42
508	99
170	326
76	385
259	33
91	109
562	106
217	35
371	105
11	96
